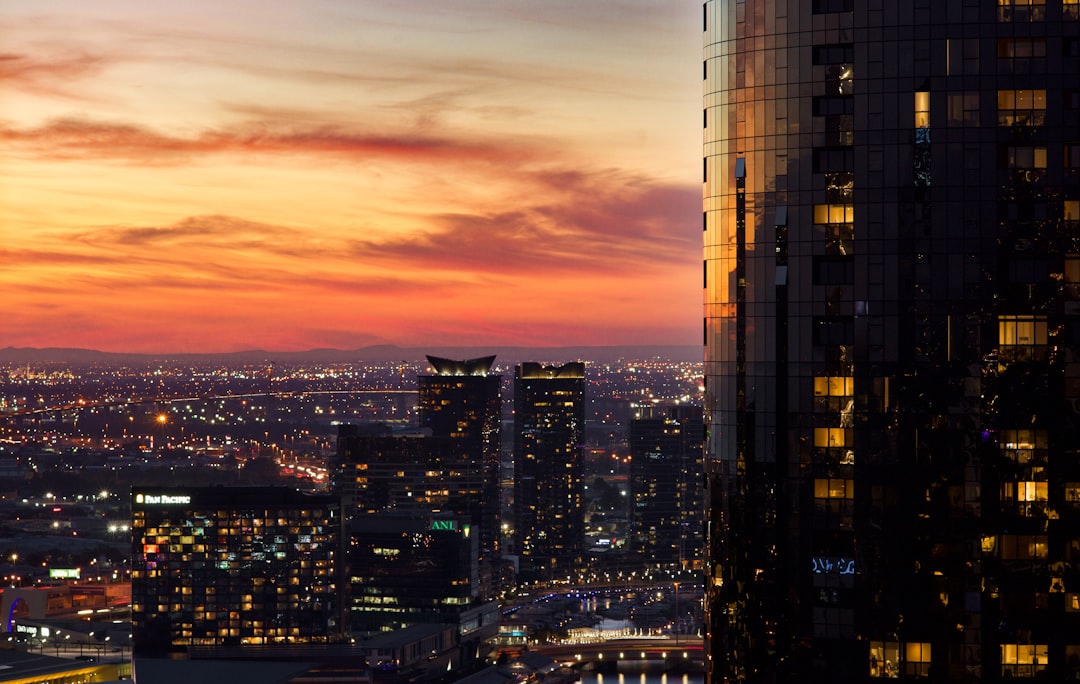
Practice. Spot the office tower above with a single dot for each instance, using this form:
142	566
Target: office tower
404	484
377	469
665	484
409	570
549	425
225	567
460	403
892	289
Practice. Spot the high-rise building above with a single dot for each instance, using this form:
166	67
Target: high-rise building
414	553
460	403
218	568
892	333
665	484
377	469
549	427
408	570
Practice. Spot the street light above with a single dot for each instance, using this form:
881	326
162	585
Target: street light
676	613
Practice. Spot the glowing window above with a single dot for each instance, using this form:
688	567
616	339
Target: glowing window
1070	9
1020	445
1021	107
1023	660
917	658
834	213
922	109
1021	338
1024	491
1022	546
1021	10
1071	210
834	488
1072	492
885	659
831	437
834	387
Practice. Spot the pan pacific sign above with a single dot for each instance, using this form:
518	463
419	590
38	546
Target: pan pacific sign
162	499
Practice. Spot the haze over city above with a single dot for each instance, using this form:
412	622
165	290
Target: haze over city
212	177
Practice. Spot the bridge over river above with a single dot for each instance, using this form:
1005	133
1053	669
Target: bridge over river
682	654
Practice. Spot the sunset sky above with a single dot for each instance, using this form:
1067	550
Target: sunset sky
215	176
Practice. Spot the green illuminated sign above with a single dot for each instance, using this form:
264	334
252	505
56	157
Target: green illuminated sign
443	525
64	573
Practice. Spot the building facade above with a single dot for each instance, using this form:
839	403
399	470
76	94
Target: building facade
549	428
665	485
407	570
892	291
460	403
228	567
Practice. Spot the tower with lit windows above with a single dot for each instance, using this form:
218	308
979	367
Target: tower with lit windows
892	334
460	404
549	428
665	485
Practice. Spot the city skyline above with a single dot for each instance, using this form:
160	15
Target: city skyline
225	176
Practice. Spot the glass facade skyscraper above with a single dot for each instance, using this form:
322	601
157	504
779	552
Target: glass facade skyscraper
892	332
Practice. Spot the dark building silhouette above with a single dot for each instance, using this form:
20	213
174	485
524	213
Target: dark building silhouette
460	403
414	552
549	427
665	484
377	469
218	569
892	333
407	570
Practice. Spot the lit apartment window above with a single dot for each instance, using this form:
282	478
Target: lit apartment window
1072	493
1022	546
1021	10
834	387
833	488
1070	9
1023	660
1071	210
917	659
834	213
1021	338
1021	108
831	437
1022	446
885	659
1028	498
1024	491
922	109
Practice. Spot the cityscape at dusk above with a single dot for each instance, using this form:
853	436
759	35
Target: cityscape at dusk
356	342
219	176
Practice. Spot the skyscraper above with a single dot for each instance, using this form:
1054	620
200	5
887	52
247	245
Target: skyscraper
460	403
665	484
406	486
892	291
549	426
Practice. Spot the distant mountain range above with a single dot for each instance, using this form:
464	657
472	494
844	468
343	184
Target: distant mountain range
53	355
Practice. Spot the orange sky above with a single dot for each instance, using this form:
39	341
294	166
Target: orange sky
218	176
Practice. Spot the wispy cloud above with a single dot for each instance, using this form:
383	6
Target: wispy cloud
73	139
596	222
49	76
